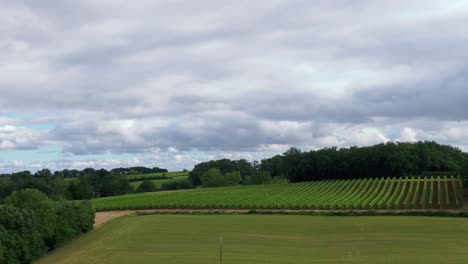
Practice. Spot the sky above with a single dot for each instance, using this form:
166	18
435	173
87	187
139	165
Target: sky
116	83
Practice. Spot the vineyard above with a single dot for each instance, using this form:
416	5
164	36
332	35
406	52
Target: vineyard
390	193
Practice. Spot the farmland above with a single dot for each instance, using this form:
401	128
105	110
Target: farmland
159	183
254	239
389	193
173	174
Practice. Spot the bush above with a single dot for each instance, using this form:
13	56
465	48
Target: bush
31	224
279	180
464	173
259	177
73	218
177	185
213	178
43	208
232	178
20	240
146	186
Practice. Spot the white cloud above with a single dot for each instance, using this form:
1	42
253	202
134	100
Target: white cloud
141	77
12	137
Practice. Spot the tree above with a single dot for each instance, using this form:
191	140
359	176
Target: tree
177	185
232	178
213	178
41	206
464	172
146	186
259	177
20	241
242	166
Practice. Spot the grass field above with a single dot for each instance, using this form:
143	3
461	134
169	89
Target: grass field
390	193
171	174
159	183
281	239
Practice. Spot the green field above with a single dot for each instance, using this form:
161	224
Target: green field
159	183
171	174
282	239
390	193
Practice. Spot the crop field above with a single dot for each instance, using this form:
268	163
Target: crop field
389	193
159	183
273	239
171	174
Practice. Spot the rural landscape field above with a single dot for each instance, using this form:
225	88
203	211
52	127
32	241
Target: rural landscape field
235	211
250	239
233	132
390	193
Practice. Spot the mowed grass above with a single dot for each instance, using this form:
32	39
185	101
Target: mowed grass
254	239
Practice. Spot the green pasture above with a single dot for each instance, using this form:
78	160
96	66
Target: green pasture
272	239
159	183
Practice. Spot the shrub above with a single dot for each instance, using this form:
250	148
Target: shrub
213	178
31	224
42	207
259	177
146	186
20	240
177	185
232	178
73	218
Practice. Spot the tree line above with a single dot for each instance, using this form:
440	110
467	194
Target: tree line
31	224
76	184
382	160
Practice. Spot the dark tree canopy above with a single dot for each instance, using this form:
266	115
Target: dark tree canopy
382	160
242	166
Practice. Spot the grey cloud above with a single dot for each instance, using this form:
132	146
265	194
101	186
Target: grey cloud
120	77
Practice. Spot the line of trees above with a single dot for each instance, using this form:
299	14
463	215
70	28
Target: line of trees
382	160
76	184
73	173
31	224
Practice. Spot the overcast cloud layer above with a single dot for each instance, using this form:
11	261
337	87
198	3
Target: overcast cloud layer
172	83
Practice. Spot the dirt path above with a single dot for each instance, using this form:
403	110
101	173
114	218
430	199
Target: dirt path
104	217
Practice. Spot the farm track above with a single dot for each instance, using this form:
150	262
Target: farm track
104	217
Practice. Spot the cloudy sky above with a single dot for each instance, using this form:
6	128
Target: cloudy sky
171	83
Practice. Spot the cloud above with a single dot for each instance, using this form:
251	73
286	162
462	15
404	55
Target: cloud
115	77
12	137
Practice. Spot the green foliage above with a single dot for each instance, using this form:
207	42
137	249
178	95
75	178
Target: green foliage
383	160
146	186
244	167
343	194
43	208
279	180
19	236
53	186
464	172
259	177
214	178
31	224
232	178
177	185
100	183
73	218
